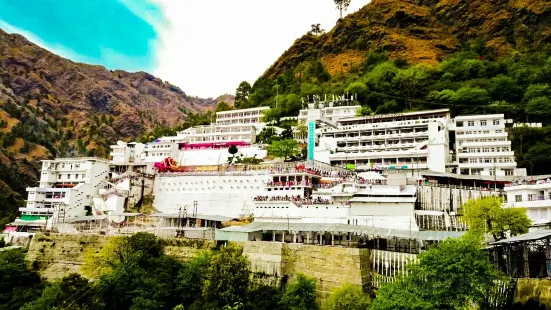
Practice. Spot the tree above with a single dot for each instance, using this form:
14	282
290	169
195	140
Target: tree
348	297
316	29
242	95
232	150
191	278
486	215
227	278
18	284
263	297
223	106
539	109
284	148
364	111
300	295
459	264
302	130
71	292
342	5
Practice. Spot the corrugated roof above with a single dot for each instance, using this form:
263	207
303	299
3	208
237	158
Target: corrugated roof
219	218
123	214
383	199
345	228
535	235
85	218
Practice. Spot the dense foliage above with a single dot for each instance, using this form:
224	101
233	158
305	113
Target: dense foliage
471	81
135	273
456	274
486	215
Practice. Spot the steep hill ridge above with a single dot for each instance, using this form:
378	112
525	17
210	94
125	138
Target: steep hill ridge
423	31
51	106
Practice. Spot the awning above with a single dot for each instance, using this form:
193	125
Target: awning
346	228
383	199
371	176
122	214
218	218
85	218
535	235
28	223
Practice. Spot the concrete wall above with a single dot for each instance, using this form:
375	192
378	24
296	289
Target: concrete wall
330	266
532	294
57	255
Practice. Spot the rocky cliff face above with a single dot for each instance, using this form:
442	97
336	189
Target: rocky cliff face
51	106
423	31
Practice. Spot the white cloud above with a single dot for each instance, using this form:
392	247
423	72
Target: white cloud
210	46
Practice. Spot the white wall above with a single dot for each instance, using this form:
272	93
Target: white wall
216	195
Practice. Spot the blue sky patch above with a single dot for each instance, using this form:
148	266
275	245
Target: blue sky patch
118	34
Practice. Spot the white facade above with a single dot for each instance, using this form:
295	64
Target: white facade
331	111
252	116
124	152
219	133
157	151
482	146
405	141
66	189
535	196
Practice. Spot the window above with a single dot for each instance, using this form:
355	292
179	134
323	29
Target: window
508	172
470	123
518	198
483	123
496	122
499	131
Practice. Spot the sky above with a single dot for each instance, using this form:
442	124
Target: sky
205	47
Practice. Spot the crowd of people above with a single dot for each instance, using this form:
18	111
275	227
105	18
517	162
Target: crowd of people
295	198
528	182
289	183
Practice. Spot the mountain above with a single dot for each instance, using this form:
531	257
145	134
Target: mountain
422	31
51	106
471	56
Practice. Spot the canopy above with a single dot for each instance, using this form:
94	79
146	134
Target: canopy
371	176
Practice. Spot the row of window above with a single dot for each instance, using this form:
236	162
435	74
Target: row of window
494	122
213	182
485	160
479	132
203	188
489	149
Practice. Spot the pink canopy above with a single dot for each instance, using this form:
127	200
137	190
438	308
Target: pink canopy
204	145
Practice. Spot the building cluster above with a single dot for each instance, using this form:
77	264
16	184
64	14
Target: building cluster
406	172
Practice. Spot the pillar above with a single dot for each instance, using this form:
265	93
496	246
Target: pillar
307	237
294	238
273	235
525	264
320	238
332	239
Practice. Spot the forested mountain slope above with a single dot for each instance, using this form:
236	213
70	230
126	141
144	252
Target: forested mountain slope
477	56
51	106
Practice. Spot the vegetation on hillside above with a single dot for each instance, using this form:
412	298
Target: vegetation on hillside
135	273
471	81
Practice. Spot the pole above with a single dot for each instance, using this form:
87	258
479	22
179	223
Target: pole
277	94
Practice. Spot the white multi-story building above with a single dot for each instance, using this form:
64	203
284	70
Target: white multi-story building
252	116
534	195
404	141
332	111
123	152
482	146
219	133
66	190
